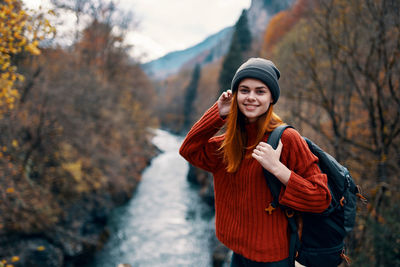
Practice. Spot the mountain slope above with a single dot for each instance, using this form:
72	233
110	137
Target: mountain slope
172	62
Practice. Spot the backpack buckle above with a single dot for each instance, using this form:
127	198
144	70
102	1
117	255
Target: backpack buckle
342	201
345	257
270	209
289	213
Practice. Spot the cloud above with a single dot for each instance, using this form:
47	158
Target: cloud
170	25
178	24
144	47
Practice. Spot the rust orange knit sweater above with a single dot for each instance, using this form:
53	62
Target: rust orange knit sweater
242	223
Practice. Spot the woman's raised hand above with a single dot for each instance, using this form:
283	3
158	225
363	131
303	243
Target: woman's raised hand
224	103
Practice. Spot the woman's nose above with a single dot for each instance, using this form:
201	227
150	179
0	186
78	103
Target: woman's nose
251	96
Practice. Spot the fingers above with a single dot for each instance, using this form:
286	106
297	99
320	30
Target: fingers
224	103
267	156
263	148
264	145
256	156
227	95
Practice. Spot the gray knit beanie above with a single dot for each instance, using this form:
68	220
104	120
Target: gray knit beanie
260	69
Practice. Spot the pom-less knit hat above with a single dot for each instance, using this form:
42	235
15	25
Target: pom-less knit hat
260	69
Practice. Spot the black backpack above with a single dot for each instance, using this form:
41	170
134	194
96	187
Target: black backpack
322	234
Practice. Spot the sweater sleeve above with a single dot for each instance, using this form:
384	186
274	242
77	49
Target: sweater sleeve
199	148
307	189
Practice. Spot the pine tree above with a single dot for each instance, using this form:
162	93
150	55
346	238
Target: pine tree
191	92
241	42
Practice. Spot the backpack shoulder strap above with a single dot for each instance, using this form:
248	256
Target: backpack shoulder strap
275	187
273	183
276	134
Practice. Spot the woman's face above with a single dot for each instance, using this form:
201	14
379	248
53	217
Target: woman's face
254	98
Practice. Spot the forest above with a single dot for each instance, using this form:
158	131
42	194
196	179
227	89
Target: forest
75	120
74	131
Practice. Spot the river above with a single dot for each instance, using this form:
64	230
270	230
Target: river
165	223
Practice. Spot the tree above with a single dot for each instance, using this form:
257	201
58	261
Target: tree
77	143
19	32
190	96
104	11
241	42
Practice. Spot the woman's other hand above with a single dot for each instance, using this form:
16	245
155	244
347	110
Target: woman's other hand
269	159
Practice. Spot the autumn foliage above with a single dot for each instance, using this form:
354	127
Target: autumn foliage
339	63
282	23
19	32
76	140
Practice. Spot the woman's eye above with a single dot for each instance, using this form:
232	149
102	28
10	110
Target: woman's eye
243	91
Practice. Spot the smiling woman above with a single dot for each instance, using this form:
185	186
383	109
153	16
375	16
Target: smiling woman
237	159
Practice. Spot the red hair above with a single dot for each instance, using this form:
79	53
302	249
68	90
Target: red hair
234	145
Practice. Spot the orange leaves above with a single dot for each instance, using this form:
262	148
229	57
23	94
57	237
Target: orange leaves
282	23
274	31
10	190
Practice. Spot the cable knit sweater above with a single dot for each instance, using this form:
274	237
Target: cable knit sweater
242	223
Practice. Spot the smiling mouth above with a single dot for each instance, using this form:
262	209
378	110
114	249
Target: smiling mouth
250	106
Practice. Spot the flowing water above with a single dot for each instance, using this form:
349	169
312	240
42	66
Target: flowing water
165	223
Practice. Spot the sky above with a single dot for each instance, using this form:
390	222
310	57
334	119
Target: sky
164	26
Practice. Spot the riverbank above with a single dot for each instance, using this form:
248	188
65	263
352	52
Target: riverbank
80	226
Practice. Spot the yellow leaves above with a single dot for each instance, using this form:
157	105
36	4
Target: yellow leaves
75	169
14	259
41	248
19	32
31	48
14	143
5	66
81	183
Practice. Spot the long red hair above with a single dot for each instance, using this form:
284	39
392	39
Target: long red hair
234	145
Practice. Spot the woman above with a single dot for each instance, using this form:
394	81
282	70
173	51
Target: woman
237	158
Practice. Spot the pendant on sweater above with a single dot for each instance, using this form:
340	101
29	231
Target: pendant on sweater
270	209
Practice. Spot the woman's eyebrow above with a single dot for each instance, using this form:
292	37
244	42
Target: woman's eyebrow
258	87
